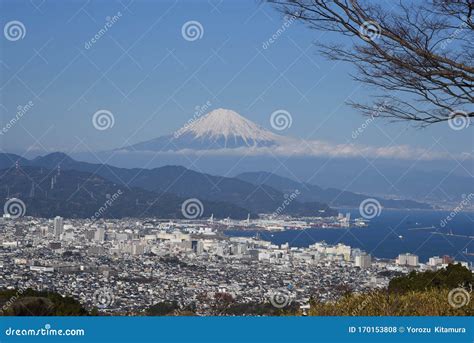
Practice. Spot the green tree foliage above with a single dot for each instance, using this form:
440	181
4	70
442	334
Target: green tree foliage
451	277
162	309
260	309
34	303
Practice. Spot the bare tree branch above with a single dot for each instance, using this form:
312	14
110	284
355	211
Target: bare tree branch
418	56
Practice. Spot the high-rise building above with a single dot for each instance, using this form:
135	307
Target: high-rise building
58	226
447	259
363	260
137	248
43	231
407	260
435	261
340	249
99	235
197	246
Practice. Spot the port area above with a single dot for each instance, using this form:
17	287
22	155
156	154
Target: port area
284	223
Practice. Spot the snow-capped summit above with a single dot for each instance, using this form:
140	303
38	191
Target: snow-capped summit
218	129
228	124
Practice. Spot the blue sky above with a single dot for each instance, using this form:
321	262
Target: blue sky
151	78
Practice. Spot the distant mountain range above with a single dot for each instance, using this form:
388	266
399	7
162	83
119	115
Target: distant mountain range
74	194
331	196
223	141
161	191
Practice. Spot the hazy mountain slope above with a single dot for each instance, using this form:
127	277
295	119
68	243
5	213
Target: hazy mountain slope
78	194
187	183
332	196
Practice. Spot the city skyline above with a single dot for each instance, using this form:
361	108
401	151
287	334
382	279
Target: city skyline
116	263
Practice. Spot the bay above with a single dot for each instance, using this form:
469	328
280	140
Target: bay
391	233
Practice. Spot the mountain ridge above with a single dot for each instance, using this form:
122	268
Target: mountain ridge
74	194
191	184
237	190
331	196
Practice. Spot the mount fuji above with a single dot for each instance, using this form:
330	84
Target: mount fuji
225	132
218	129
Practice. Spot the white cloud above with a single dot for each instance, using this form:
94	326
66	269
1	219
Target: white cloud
296	147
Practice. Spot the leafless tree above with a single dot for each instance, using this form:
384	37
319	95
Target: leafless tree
418	55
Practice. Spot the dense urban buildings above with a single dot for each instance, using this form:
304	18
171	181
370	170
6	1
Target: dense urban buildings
125	266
